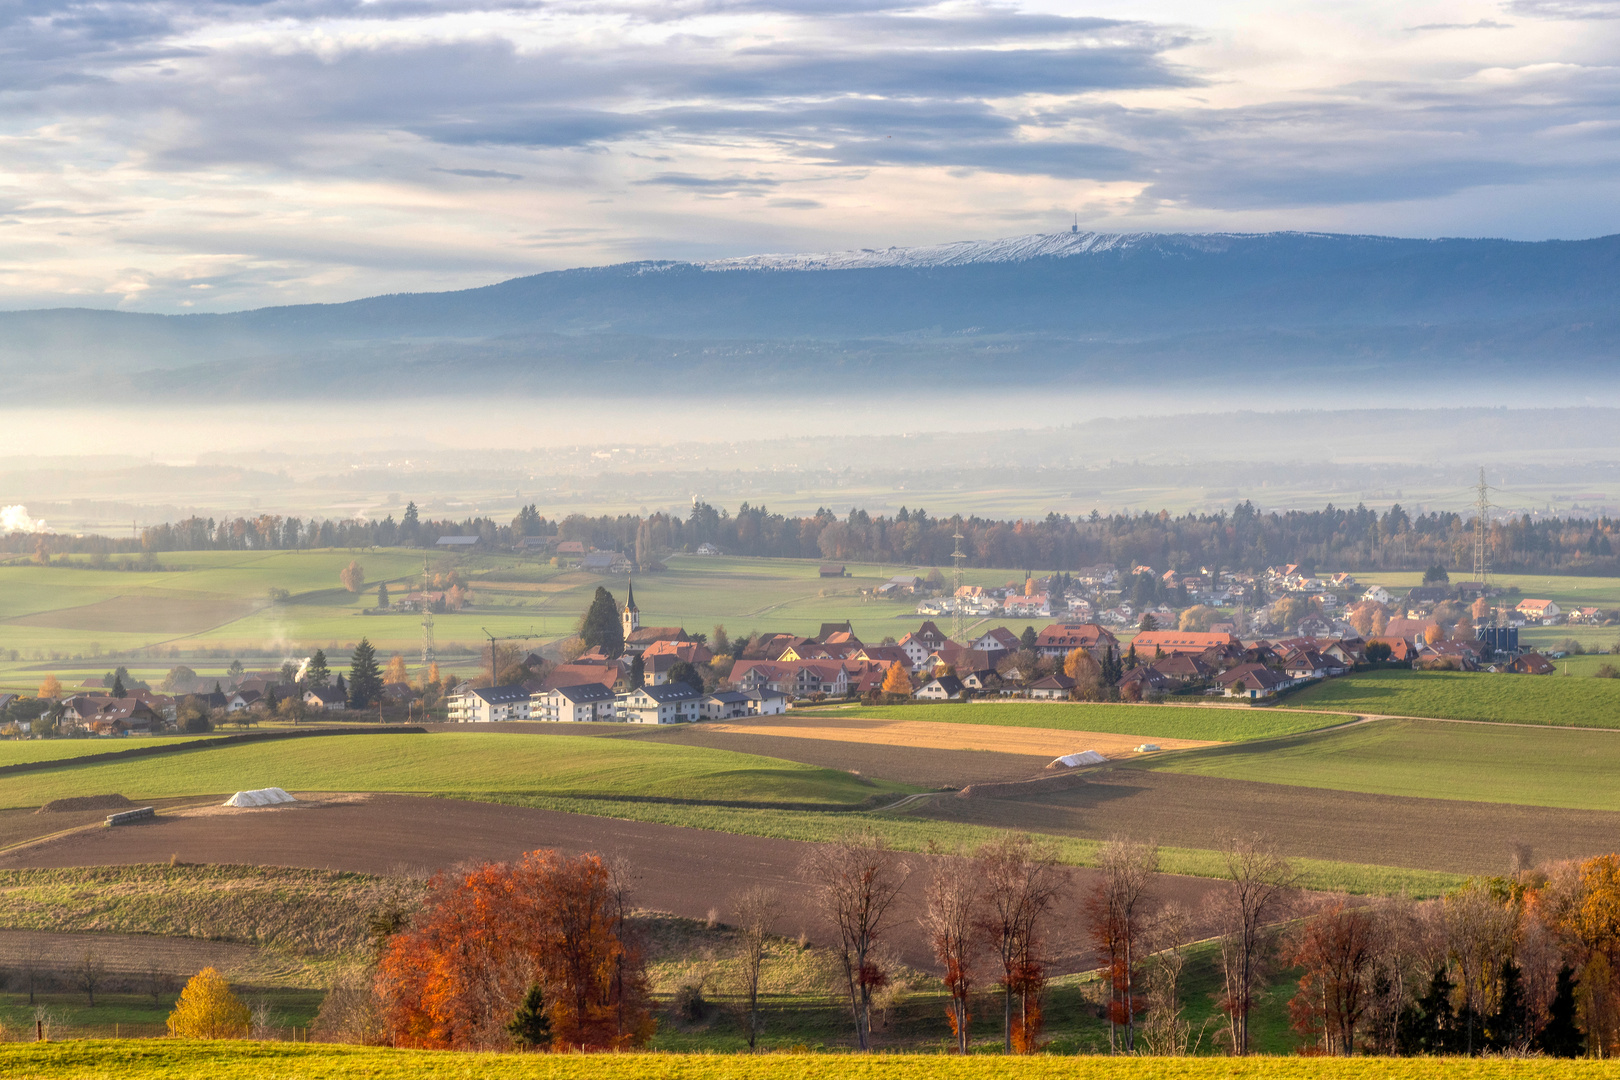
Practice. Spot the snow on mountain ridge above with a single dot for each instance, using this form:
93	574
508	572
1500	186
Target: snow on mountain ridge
963	252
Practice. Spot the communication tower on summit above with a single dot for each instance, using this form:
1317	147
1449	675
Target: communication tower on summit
428	655
1482	507
957	623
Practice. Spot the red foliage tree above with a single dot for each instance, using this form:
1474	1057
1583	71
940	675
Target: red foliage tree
484	937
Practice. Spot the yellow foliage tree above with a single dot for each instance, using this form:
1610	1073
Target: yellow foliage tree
1480	610
433	674
396	673
1081	666
208	1010
897	681
1199	618
1432	633
50	688
353	576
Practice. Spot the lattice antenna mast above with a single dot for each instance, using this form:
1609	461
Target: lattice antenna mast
428	653
958	624
1482	569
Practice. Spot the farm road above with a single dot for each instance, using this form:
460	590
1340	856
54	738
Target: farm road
683	871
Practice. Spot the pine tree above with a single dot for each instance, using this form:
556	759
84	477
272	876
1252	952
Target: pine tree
382	594
365	678
270	699
410	524
530	1026
118	690
1562	1037
638	672
317	672
1506	1028
1028	639
600	626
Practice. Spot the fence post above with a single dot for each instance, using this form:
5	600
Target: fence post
39	1030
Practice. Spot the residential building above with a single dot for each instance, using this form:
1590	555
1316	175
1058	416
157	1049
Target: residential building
579	674
490	704
922	644
1252	681
767	702
640	639
1542	611
584	703
996	642
724	705
1150	644
1060	639
1532	663
672	703
1150	679
1052	688
1017	606
328	699
1378	595
944	688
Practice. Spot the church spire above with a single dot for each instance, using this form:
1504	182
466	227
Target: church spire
630	617
630	597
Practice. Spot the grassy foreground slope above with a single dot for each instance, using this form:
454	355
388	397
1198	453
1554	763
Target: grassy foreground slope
1162	721
178	1060
480	763
1575	769
1461	695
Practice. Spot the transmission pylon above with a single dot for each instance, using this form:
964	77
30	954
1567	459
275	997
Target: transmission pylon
958	623
428	655
1482	566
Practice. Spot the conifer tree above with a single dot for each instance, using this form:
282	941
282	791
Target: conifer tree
600	626
365	678
317	672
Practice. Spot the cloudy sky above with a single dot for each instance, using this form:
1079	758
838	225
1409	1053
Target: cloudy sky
167	156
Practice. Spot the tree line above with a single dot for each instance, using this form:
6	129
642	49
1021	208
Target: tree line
1244	539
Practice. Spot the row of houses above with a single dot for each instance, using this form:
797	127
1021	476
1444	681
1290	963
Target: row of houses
666	703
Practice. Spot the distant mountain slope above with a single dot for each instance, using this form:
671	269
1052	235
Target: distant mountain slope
1026	308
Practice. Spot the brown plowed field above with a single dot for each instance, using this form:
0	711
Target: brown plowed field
936	736
128	957
1205	812
684	871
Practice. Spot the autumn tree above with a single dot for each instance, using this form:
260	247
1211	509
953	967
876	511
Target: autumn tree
1259	879
952	923
208	1010
856	882
1021	882
353	576
1199	618
897	682
1119	909
50	688
1336	949
484	937
396	675
756	909
1083	668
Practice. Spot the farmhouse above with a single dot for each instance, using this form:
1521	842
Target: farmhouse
491	704
1150	643
462	542
584	703
1532	663
109	715
672	703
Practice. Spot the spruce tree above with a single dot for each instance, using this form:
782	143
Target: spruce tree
1028	638
317	672
638	672
530	1027
1562	1037
600	626
365	678
382	594
118	690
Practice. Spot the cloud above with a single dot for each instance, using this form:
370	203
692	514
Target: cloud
1479	24
1566	9
481	174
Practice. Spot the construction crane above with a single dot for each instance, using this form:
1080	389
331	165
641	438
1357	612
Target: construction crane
494	676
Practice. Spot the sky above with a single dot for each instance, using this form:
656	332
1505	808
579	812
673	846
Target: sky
215	155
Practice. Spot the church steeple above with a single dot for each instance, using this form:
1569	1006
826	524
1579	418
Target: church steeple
631	616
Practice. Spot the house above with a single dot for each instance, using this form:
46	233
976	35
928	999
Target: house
981	681
242	700
706	549
606	562
693	652
1412	629
943	688
997	641
578	674
461	542
724	705
1400	649
329	699
639	639
837	631
672	703
1449	656
1181	668
1532	663
830	570
1314	626
800	678
583	703
1378	595
1150	679
109	715
767	702
1543	611
1252	681
1052	688
571	549
490	704
1428	594
1060	639
901	583
6	700
884	655
1028	607
1302	664
398	694
1149	644
919	646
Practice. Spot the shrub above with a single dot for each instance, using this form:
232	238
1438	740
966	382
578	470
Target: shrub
208	1010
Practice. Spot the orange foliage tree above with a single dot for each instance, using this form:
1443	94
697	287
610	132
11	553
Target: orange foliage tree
897	681
483	938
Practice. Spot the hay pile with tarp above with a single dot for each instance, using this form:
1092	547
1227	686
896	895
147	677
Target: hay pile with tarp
270	796
1074	761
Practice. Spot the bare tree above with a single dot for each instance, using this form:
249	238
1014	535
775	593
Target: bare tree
1021	885
952	922
757	909
1481	930
158	981
1396	969
1260	879
857	881
28	970
1335	948
1119	909
1164	1030
88	974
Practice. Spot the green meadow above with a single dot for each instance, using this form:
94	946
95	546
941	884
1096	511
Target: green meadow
482	764
1462	695
1428	759
1150	721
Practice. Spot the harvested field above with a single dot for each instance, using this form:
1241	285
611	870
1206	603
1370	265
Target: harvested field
21	826
1040	742
148	612
131	958
1205	812
682	871
918	766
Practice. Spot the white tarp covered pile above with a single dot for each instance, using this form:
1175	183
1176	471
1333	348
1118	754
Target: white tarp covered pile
1084	757
270	796
1147	748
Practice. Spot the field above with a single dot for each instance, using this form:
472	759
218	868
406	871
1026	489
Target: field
1217	724
480	763
175	1060
1457	695
922	734
1429	759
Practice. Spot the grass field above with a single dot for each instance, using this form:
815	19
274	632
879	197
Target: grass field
1574	769
178	1060
1163	721
1458	695
456	763
17	751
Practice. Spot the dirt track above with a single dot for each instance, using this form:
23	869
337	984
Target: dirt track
684	871
1205	812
